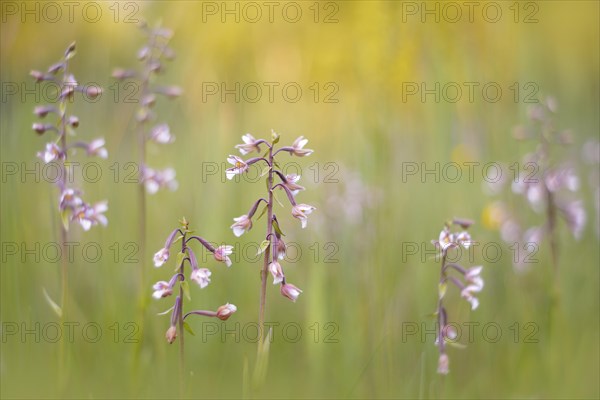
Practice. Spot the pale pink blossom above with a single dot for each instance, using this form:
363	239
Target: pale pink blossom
301	212
576	217
443	364
171	334
69	198
249	145
88	216
290	291
242	224
51	153
290	183
281	249
160	257
156	179
464	239
96	148
446	239
162	289
239	167
277	272
467	293
201	276
162	134
222	252
298	147
225	311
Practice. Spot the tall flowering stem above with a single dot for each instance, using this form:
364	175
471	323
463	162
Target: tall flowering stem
548	183
71	206
467	280
273	245
152	56
200	276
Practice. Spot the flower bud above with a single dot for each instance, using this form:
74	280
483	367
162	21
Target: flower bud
39	76
40	128
443	364
42	111
70	50
93	91
120	73
290	291
170	91
73	121
171	334
224	312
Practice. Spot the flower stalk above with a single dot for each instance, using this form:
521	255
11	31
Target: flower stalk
200	276
152	56
467	280
272	247
71	206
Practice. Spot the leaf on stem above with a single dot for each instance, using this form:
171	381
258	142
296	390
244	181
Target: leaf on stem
188	328
167	311
277	200
264	210
263	246
276	227
274	137
186	289
179	260
64	217
442	287
265	171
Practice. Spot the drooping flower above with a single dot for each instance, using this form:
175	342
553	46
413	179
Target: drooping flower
162	289
239	167
96	148
467	294
464	239
162	134
290	291
281	249
88	216
40	128
298	147
301	212
277	272
201	276
473	277
443	364
249	145
225	311
290	183
446	239
156	179
69	198
242	224
160	257
221	254
51	153
576	217
171	334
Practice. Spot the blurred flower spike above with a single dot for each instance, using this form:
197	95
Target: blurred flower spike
59	149
468	282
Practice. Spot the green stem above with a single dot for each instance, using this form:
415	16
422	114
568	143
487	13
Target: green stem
265	269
